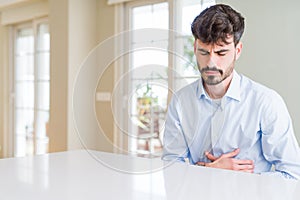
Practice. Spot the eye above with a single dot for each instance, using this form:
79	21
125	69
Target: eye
221	54
204	53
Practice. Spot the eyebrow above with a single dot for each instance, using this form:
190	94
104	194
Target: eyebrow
219	51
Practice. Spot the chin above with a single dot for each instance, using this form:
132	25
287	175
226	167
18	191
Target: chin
212	81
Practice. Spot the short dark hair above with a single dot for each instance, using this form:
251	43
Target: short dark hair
217	23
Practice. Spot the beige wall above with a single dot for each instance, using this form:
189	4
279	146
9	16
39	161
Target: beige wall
106	81
77	27
59	66
82	25
103	108
83	34
5	141
1	90
271	48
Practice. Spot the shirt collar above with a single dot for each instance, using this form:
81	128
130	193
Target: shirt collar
234	90
200	90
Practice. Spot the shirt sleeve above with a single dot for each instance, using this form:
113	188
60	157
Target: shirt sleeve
174	143
279	144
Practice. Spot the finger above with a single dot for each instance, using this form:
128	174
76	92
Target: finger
243	167
231	154
243	162
248	170
210	156
200	163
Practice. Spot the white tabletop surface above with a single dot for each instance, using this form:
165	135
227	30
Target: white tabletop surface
89	175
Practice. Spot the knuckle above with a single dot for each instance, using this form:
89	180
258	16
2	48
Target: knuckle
233	166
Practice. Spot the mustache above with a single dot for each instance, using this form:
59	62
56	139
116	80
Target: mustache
211	69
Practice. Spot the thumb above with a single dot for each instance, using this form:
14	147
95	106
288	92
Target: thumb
232	153
210	156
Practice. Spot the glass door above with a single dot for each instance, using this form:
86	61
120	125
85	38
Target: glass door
148	78
31	88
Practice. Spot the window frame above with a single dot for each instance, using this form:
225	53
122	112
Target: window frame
121	139
11	147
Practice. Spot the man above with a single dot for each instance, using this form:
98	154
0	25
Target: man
225	120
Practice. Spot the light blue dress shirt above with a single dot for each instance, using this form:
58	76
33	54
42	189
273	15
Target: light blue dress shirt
250	116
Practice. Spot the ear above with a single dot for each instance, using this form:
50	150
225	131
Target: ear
238	50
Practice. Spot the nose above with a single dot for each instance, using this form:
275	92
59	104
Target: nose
212	60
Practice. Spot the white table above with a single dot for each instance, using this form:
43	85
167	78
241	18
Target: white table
89	175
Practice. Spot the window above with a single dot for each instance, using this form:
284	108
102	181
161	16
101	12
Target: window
31	84
149	99
154	73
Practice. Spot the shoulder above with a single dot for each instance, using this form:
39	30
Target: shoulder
187	91
185	95
260	93
251	87
189	88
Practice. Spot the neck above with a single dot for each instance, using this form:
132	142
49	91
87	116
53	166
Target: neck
219	90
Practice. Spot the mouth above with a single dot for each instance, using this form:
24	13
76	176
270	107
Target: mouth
211	72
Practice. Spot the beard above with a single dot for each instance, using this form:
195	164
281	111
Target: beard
216	79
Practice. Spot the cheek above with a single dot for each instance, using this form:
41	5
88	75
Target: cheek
225	62
202	61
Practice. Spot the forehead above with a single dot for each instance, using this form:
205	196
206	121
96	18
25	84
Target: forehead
218	45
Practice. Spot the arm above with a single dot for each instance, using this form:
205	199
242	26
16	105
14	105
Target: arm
174	144
279	145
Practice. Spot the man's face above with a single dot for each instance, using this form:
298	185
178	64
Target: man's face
216	61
